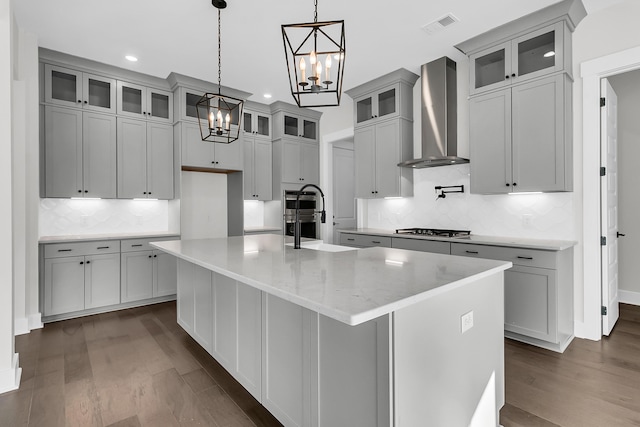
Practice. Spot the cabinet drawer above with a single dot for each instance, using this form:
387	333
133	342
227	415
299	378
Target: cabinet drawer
363	240
133	245
518	256
432	246
59	250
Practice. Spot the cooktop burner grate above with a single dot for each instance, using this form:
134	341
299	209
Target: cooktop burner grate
434	232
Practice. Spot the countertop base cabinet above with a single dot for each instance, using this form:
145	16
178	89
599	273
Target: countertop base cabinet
147	274
315	371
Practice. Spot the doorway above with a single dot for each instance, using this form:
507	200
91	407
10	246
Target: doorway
344	201
589	296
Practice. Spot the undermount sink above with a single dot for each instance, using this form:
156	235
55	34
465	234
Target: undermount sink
319	245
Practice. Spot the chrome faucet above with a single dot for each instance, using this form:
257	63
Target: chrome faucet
296	226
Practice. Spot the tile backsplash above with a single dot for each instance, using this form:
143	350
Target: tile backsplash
546	216
61	217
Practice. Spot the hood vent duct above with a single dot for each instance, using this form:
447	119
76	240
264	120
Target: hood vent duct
439	116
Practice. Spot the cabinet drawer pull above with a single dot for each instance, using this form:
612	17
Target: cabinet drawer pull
524	257
472	252
375	241
351	240
65	250
103	247
135	246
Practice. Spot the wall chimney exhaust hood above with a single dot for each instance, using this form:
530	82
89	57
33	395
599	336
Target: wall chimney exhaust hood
439	116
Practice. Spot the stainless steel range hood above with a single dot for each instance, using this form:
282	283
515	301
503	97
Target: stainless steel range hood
439	116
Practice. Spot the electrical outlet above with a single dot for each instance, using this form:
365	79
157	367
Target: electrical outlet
466	322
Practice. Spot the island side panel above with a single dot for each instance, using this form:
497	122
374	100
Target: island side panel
441	375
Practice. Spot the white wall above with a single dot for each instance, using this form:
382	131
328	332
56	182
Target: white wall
627	87
204	205
9	371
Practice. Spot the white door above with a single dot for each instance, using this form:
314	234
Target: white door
344	191
609	206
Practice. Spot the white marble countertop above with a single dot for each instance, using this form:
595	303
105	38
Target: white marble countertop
353	286
512	242
262	229
110	236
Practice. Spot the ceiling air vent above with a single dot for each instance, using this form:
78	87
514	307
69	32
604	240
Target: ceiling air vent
439	24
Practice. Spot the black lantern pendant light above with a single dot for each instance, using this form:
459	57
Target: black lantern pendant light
219	116
321	45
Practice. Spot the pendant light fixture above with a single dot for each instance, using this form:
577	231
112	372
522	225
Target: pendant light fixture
219	116
315	54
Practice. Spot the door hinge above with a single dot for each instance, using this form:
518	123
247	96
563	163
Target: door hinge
603	240
603	310
602	102
603	171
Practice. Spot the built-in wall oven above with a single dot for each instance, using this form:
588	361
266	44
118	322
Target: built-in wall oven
309	220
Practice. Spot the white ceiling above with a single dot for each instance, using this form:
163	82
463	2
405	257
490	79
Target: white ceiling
181	36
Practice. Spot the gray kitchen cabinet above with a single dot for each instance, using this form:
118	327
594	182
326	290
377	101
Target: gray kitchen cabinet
72	88
187	99
195	298
432	246
258	169
378	148
146	273
525	57
142	102
197	153
294	164
137	276
297	124
145	160
258	153
383	136
364	240
79	153
519	138
538	292
90	278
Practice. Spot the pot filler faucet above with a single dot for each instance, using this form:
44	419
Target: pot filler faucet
296	228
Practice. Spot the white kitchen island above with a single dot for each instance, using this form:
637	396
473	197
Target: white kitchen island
362	337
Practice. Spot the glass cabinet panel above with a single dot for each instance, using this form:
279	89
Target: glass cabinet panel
247	126
263	125
99	93
291	126
387	102
364	110
191	99
131	100
490	68
536	53
309	130
160	105
64	86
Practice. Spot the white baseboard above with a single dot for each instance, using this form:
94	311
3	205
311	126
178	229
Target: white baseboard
21	326
35	321
629	297
24	325
10	378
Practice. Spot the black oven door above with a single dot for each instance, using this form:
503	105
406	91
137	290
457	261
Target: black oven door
307	229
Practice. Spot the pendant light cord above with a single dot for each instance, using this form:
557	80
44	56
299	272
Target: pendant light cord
315	14
219	56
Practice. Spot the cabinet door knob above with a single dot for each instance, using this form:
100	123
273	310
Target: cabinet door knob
507	76
513	75
81	262
79	101
86	191
79	191
149	256
88	262
144	192
507	184
149	193
155	256
86	102
514	184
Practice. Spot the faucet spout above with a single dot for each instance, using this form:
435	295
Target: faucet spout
296	226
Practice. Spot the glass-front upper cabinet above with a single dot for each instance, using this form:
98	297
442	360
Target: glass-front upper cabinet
258	124
381	104
72	88
191	98
143	102
300	127
529	56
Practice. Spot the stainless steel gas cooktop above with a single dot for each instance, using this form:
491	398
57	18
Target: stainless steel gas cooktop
434	232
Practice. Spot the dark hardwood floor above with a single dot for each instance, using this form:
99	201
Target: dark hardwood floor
137	367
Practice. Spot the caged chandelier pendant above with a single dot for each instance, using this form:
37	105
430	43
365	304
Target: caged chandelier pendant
321	45
218	115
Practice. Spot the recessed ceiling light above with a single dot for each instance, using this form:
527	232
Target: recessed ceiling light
131	58
549	54
267	95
